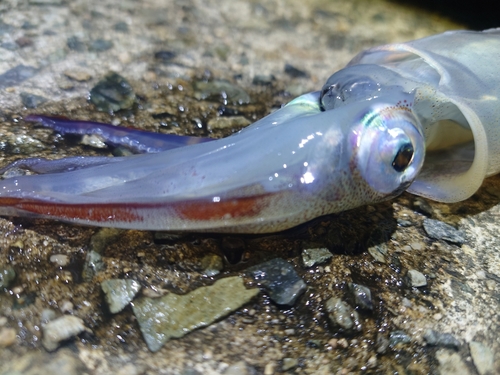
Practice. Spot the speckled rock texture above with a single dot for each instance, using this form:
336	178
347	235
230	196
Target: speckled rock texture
54	52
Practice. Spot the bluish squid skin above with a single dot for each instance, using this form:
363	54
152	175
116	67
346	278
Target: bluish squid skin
421	116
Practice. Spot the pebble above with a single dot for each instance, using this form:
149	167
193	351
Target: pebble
218	89
421	205
7	337
173	315
263	80
450	363
211	264
219	123
118	293
7	275
74	43
446	340
31	100
61	260
295	72
16	75
61	329
441	231
378	252
362	296
396	337
78	75
342	315
311	257
165	56
238	368
416	279
280	280
93	265
482	356
100	45
289	363
112	94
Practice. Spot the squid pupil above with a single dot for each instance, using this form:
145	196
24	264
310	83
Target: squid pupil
403	157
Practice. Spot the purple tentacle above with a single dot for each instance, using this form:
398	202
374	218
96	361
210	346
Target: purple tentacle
138	141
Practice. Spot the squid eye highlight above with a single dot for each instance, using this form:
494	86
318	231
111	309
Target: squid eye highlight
403	157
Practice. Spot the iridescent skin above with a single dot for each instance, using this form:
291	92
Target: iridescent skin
361	140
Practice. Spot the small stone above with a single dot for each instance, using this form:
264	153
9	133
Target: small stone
483	357
378	252
311	257
61	329
16	75
78	75
61	260
362	296
119	293
100	45
165	56
289	363
238	368
397	337
295	72
263	80
450	363
211	265
342	315
446	340
280	279
121	26
7	337
416	279
441	231
74	43
220	89
421	205
173	315
93	264
112	94
7	275
233	122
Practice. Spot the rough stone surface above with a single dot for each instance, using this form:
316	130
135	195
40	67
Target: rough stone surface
482	357
119	293
61	329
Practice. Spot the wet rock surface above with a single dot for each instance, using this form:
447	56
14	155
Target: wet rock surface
60	50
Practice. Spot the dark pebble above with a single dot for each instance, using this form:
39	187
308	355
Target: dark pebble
165	56
16	75
396	337
446	340
74	43
362	296
100	45
263	80
121	26
112	94
441	231
31	100
280	280
294	72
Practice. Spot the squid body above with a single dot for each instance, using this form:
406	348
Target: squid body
421	116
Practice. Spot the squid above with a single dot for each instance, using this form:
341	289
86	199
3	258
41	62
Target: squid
421	116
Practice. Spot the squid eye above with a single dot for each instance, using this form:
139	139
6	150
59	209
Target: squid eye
403	157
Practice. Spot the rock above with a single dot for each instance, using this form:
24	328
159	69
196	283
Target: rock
233	122
396	337
238	368
450	363
218	89
119	293
263	80
482	357
61	329
378	252
446	340
31	100
421	205
211	265
112	94
40	363
7	337
78	75
441	231
7	274
342	315
173	315
311	257
416	279
280	280
100	45
16	75
289	363
362	296
61	260
93	264
165	56
295	72
74	43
